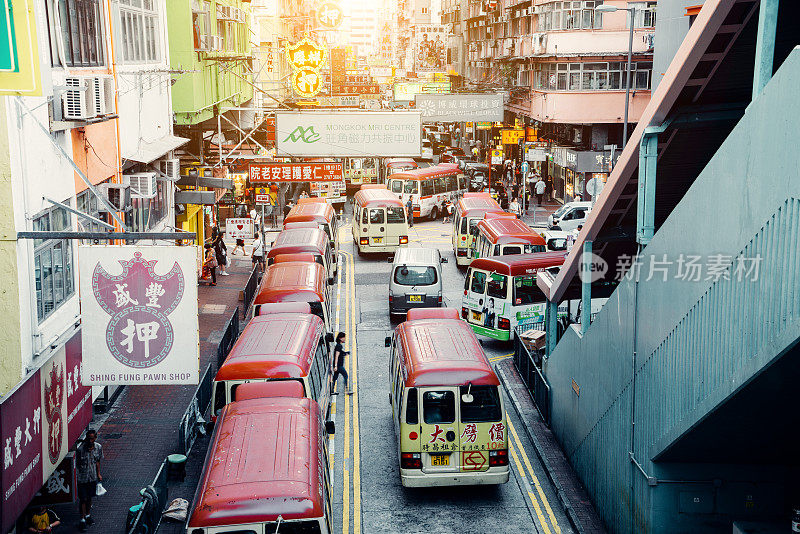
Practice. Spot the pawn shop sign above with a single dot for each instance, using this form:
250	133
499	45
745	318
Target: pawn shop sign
306	82
329	15
306	54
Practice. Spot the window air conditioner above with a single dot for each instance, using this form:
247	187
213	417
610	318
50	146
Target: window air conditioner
142	184
118	196
217	43
78	100
104	90
171	167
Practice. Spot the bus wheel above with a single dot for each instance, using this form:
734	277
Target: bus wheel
435	213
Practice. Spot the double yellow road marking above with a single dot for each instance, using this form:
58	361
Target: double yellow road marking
352	367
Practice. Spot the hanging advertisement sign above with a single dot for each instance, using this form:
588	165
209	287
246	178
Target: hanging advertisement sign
406	91
512	137
484	126
348	133
306	54
457	107
329	15
295	172
39	420
61	486
139	307
239	228
306	82
430	48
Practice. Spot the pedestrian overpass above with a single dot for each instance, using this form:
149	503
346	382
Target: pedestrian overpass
679	405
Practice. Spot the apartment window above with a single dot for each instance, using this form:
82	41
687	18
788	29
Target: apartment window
424	10
88	204
573	15
644	15
201	22
138	23
76	33
595	76
53	267
146	213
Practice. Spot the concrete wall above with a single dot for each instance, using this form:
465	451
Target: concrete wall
588	107
672	24
697	342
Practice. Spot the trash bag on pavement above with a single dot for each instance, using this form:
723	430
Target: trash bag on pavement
178	509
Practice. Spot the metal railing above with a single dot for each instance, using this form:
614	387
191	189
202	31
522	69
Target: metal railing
154	501
249	291
528	364
192	423
228	337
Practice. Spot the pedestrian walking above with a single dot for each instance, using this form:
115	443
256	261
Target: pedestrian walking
220	249
88	457
458	135
539	188
338	358
258	251
410	208
43	520
239	245
210	263
254	216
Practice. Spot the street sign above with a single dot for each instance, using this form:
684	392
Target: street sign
525	167
595	186
497	157
239	228
535	154
263	196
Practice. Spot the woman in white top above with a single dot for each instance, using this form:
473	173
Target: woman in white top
258	251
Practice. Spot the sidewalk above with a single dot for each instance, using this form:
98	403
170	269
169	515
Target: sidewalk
142	425
571	493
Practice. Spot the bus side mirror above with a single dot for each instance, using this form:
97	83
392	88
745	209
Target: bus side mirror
329	337
390	259
388	341
331	280
444	260
330	427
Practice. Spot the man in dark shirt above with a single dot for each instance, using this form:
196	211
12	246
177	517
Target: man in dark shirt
410	209
338	361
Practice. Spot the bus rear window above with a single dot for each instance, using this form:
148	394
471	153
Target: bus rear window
478	282
395	215
376	215
526	291
438	407
485	405
497	286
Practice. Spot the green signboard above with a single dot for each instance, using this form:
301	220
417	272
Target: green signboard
8	44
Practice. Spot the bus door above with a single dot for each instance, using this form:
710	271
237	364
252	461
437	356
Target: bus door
475	296
373	225
439	430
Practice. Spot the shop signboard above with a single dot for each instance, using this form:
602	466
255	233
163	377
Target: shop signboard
565	157
512	136
360	89
531	134
39	420
329	15
535	154
592	161
295	172
348	133
457	107
484	125
61	486
19	49
406	91
139	307
239	228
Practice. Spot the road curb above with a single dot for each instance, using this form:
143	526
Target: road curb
568	509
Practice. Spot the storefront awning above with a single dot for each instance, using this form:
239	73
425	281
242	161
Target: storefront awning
148	152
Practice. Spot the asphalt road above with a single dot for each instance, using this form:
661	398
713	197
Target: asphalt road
368	496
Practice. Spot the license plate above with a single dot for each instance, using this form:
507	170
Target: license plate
377	240
440	459
476	316
415	298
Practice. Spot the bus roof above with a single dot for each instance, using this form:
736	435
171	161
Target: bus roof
310	212
377	198
401	162
477	205
520	264
294	281
443	169
278	345
442	351
505	230
310	200
296	240
252	475
273	388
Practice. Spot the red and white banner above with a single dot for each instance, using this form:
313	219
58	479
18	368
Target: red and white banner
295	172
39	421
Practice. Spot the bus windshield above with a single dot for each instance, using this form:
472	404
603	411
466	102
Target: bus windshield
406	275
411	187
397	186
526	291
485	405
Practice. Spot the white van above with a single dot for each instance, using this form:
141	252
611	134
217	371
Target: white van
415	279
569	216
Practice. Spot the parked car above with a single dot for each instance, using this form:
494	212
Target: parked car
569	216
556	239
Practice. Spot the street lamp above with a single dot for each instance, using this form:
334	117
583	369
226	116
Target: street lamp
604	8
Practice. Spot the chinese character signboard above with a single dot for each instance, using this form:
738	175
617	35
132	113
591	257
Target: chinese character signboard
39	420
484	125
459	107
348	133
139	306
329	15
306	82
295	172
511	136
241	228
405	91
306	58
430	48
